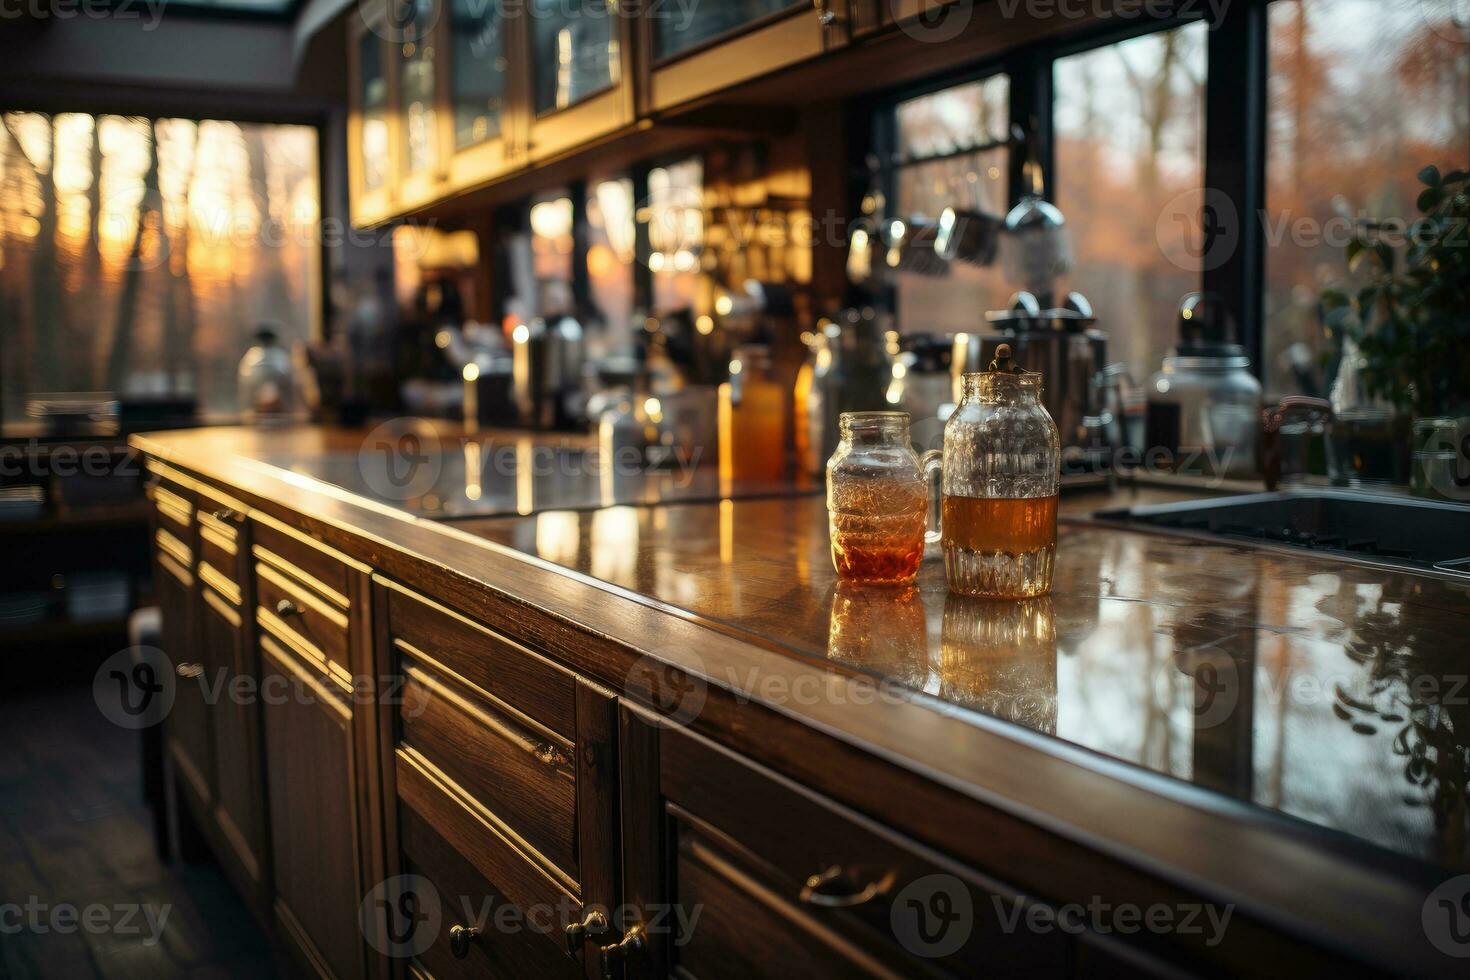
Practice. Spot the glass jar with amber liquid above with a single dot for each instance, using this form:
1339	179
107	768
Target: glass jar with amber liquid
877	503
1000	470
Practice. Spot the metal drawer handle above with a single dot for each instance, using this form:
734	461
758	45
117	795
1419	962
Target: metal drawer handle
630	946
831	889
224	514
286	608
577	932
189	671
825	16
460	938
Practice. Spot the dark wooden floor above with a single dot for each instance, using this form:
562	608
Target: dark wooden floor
74	831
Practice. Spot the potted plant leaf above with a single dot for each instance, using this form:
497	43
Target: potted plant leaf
1409	314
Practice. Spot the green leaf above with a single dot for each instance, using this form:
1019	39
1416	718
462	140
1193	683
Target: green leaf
1429	198
1430	175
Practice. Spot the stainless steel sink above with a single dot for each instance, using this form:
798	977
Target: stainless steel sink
1384	529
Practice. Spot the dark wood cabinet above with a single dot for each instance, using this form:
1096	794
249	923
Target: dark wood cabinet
233	689
308	602
746	873
485	729
309	778
507	760
188	739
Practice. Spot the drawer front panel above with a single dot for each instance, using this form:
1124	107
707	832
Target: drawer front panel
175	509
518	677
745	929
302	619
317	566
522	776
473	835
466	899
851	874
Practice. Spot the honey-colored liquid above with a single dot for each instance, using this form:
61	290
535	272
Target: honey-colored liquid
877	532
1015	525
1002	547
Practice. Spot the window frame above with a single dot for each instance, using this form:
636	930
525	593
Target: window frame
1236	56
317	121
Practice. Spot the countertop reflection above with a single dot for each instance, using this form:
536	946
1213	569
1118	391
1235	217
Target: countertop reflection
1328	691
436	470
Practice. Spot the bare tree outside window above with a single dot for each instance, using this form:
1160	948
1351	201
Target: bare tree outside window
1363	95
137	255
1129	124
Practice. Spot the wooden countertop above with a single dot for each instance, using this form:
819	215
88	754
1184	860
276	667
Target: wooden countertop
1325	689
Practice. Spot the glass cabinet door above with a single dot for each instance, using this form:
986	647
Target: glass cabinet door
373	102
416	87
478	70
574	50
676	30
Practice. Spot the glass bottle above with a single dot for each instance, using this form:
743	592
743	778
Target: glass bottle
752	415
877	505
999	479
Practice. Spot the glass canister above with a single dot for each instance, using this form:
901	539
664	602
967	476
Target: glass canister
877	506
267	380
1000	470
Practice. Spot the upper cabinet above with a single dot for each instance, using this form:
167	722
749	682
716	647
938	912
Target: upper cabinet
581	72
370	132
695	51
450	95
484	124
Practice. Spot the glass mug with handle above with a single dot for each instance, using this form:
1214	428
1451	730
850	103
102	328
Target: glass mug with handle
877	501
999	475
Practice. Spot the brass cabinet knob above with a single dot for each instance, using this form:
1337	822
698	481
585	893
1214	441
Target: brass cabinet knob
833	889
189	671
286	608
629	947
577	932
460	938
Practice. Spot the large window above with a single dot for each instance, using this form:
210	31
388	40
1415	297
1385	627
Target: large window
937	170
138	255
1129	130
1363	94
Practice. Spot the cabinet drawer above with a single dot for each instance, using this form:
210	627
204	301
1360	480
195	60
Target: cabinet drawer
175	509
517	771
220	540
466	899
299	617
835	869
505	671
316	566
746	929
477	839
